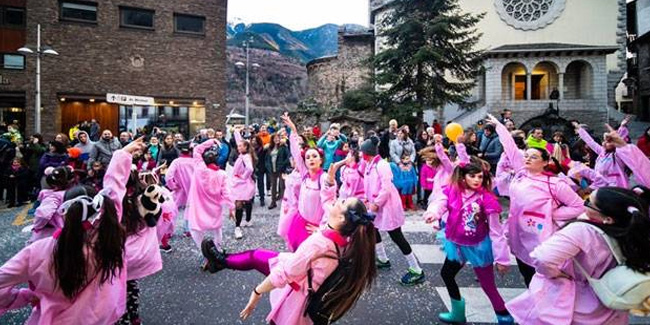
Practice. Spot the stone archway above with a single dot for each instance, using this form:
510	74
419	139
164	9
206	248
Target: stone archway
550	123
578	80
513	81
544	80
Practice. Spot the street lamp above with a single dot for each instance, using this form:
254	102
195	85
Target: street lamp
39	52
240	64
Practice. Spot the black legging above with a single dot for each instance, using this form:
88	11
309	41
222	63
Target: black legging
526	271
448	273
398	238
239	212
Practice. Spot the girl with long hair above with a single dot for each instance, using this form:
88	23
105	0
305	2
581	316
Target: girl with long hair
289	206
78	274
208	193
242	183
539	201
315	192
141	211
168	151
473	234
383	199
632	157
47	218
560	293
349	230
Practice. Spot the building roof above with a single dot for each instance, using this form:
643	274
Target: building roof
321	60
551	47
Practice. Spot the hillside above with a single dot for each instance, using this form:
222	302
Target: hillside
278	84
303	45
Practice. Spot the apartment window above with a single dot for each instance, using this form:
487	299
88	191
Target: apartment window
13	61
136	18
79	11
189	24
13	17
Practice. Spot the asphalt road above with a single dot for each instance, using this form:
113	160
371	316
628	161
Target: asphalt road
182	294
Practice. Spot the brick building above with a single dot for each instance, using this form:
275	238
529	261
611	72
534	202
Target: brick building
173	51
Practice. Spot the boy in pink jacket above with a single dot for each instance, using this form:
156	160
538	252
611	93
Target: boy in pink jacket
58	298
208	192
383	199
179	179
351	177
539	202
608	163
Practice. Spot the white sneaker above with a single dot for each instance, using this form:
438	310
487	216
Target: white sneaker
247	223
238	233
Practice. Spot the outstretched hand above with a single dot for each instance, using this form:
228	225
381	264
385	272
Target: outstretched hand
135	145
613	136
492	119
287	121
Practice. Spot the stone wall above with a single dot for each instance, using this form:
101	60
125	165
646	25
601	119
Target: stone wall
98	58
330	77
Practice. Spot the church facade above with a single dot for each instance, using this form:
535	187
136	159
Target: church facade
568	55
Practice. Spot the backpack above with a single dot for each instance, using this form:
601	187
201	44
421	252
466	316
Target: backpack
619	288
317	300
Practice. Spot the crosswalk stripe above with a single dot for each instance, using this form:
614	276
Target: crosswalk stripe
433	254
478	307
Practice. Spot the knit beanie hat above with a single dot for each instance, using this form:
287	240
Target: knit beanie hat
369	146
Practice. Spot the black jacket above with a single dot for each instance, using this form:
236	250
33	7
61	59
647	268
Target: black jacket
282	161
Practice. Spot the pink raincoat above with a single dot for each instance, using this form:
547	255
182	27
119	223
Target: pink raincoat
608	164
208	192
380	190
539	204
289	202
636	160
287	303
167	221
473	215
179	178
241	182
427	175
46	218
446	168
96	303
142	254
351	183
554	299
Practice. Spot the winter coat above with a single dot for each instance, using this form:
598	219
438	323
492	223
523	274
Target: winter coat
398	146
103	151
282	161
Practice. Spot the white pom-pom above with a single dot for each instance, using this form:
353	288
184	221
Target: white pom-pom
632	209
48	171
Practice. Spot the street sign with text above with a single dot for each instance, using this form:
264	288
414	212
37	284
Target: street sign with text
129	100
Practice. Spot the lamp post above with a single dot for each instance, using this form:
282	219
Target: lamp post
39	52
242	64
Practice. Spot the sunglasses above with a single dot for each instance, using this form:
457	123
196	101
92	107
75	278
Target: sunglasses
591	206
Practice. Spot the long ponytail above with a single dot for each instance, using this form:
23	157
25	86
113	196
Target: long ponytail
360	254
631	227
69	264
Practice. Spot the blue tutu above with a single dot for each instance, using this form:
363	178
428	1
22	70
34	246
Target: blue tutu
479	255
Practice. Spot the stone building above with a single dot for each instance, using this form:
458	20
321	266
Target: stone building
535	47
330	77
639	63
173	51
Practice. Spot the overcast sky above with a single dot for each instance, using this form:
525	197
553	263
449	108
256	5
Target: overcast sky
299	14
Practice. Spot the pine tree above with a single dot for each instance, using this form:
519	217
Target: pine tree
430	58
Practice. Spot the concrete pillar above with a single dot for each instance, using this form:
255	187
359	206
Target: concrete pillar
560	77
528	85
512	87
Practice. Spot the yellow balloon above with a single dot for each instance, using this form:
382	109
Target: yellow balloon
453	131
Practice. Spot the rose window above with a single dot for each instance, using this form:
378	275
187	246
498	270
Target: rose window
529	14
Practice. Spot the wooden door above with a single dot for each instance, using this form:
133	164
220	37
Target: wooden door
73	112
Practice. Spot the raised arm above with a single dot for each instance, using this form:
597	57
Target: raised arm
238	137
118	172
201	148
515	157
597	148
636	160
444	159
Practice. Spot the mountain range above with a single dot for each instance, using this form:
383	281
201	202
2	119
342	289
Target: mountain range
304	45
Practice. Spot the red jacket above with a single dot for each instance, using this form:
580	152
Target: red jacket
644	145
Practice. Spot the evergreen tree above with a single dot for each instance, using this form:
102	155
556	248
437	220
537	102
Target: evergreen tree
430	57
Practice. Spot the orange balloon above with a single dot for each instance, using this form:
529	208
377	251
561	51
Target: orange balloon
453	131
